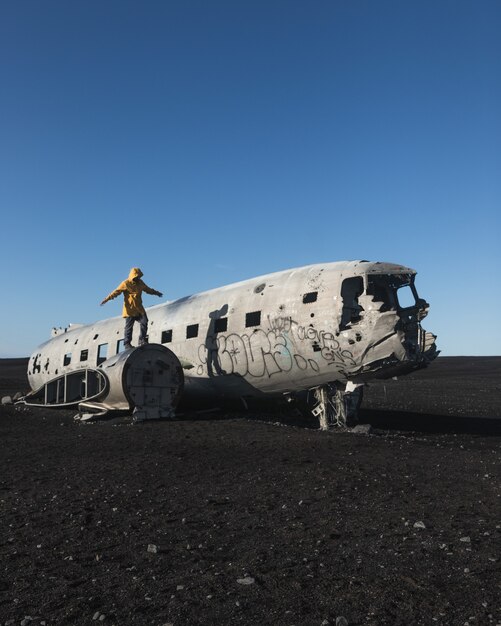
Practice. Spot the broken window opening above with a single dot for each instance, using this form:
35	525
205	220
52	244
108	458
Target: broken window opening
253	319
120	345
351	289
221	325
166	336
310	297
67	358
84	355
405	297
102	353
395	291
191	331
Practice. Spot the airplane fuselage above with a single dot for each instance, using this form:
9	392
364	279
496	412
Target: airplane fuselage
279	333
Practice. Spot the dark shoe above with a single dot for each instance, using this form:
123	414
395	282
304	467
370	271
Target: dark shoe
128	346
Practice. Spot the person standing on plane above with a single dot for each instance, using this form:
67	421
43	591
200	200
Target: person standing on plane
133	309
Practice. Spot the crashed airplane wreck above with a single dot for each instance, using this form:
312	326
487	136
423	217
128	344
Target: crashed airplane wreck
318	332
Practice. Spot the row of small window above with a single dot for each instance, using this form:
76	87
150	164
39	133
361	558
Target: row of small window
102	353
220	326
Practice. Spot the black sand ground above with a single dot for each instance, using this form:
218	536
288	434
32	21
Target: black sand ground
398	527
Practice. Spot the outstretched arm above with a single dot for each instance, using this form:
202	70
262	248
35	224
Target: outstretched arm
151	291
120	289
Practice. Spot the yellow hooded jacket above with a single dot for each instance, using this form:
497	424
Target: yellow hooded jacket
132	290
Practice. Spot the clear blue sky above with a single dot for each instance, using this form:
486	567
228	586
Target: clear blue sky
211	141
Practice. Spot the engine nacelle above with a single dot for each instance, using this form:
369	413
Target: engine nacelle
148	380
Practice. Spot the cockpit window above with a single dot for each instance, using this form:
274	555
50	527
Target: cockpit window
405	297
395	291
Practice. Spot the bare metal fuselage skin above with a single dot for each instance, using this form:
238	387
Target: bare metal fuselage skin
289	331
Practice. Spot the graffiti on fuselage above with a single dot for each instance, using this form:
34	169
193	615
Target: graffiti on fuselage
266	353
281	324
326	343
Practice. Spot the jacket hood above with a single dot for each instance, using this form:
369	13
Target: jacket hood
135	273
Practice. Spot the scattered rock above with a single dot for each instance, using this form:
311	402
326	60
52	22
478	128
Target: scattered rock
419	525
247	580
362	429
152	548
96	615
465	540
6	400
341	621
17	396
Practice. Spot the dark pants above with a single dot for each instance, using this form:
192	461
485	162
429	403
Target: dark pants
143	329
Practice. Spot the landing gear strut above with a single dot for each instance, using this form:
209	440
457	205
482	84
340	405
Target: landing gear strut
336	407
